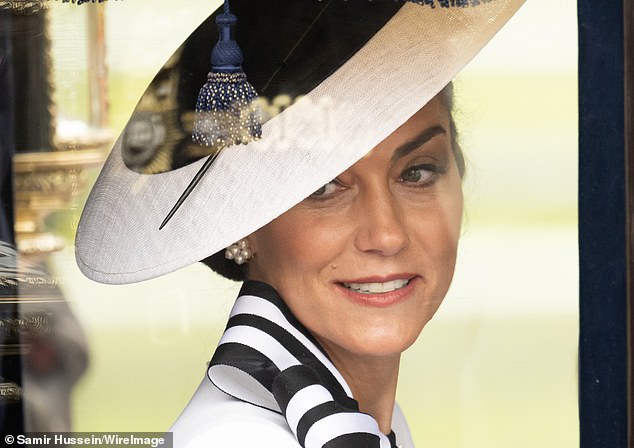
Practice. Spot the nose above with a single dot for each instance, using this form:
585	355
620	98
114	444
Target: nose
381	228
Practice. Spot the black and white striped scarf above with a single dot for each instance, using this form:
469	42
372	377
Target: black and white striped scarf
267	358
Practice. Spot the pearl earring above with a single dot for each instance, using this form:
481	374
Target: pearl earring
239	252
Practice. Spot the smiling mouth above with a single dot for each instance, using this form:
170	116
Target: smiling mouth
377	288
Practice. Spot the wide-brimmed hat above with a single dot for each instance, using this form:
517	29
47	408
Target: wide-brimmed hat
335	79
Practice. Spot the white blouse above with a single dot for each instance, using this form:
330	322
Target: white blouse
215	419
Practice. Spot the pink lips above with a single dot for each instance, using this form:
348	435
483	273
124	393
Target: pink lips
383	299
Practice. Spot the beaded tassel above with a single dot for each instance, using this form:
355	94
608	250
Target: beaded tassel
225	111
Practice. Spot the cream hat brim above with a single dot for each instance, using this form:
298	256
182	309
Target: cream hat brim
403	66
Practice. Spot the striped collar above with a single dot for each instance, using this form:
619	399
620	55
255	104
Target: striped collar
267	358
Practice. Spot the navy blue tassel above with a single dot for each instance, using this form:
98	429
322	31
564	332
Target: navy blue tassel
226	113
226	110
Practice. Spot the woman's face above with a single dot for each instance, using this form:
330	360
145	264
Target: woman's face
366	260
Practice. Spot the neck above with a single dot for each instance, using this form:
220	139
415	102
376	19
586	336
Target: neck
372	380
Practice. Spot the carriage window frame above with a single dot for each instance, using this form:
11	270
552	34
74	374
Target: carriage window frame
606	170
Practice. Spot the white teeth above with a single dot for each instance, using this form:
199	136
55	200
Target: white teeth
377	288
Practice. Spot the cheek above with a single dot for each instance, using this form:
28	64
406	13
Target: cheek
452	213
450	209
437	233
451	219
298	245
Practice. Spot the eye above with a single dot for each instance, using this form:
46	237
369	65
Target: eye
420	174
331	187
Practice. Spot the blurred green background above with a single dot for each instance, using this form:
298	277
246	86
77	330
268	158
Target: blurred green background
497	365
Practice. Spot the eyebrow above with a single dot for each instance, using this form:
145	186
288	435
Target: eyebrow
423	137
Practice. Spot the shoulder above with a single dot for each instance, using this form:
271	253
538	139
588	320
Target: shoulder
213	418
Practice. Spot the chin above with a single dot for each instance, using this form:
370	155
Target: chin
380	342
